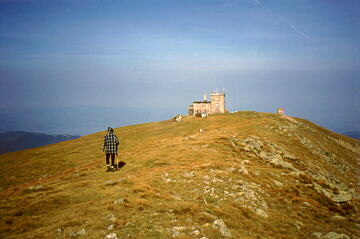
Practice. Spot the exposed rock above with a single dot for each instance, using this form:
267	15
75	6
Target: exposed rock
279	184
277	161
189	174
341	196
121	201
111	236
129	224
195	233
208	215
59	230
110	227
243	170
175	197
221	227
81	232
338	217
261	213
110	183
335	235
178	231
110	217
36	187
263	155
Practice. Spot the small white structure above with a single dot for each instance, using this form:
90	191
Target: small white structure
281	111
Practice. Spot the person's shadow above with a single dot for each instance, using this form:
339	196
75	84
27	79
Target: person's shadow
121	164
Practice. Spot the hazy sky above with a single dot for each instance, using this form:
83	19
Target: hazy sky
303	55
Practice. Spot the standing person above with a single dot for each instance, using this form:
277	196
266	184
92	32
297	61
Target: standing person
110	147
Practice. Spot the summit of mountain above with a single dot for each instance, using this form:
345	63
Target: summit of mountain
234	175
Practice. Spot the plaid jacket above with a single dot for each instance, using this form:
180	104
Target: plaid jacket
111	143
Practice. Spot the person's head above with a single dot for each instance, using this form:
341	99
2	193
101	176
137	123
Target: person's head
110	130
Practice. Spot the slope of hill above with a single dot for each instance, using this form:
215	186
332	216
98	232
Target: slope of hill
18	140
244	175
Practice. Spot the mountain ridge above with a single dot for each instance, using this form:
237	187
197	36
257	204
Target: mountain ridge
248	175
19	140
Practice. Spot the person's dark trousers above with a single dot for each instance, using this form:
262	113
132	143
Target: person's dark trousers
112	159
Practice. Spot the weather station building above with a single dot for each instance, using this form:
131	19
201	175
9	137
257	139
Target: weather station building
215	106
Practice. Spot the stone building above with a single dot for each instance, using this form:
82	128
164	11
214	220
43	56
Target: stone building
205	107
281	111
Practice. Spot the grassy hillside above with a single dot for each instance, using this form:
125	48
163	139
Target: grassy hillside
264	176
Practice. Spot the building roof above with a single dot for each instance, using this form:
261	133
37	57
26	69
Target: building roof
202	102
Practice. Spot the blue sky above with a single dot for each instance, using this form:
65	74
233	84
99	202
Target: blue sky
303	55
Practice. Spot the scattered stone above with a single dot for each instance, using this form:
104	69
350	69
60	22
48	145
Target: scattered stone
178	231
277	161
59	230
110	183
36	187
129	224
205	225
263	155
317	235
204	238
279	184
177	198
208	215
110	217
110	227
261	213
189	174
221	227
243	170
81	232
338	217
343	196
121	201
335	235
178	234
195	233
111	236
72	234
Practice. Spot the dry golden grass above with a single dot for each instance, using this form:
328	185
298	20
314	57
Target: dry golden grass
162	186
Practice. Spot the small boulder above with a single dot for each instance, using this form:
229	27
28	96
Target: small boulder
111	236
221	227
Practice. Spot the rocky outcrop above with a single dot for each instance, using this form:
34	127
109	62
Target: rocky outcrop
220	226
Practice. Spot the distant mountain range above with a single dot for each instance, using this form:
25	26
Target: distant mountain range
18	140
352	134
